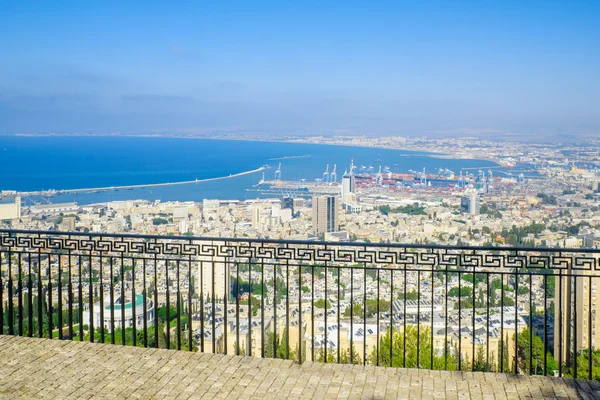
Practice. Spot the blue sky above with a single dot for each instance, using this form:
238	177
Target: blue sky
377	67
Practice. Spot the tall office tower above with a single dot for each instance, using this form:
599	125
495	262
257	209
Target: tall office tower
325	214
213	275
256	215
349	185
469	203
576	313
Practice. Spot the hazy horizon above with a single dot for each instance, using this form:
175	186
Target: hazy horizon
351	68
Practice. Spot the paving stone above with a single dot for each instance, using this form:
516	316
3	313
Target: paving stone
42	368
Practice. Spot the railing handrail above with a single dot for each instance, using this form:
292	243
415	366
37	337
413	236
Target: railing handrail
307	242
191	285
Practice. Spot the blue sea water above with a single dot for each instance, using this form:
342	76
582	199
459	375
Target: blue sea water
62	162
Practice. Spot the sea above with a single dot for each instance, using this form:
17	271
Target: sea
34	163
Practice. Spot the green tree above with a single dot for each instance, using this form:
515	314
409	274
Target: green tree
504	364
583	365
347	356
254	303
465	291
372	304
320	303
356	310
162	313
277	347
412	295
535	360
547	199
417	356
482	362
239	350
410	209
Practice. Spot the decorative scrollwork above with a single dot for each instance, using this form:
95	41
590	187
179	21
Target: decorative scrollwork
400	257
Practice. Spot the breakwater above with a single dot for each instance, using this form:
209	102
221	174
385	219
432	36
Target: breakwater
52	192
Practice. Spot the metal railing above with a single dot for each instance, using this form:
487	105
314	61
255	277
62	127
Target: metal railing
503	309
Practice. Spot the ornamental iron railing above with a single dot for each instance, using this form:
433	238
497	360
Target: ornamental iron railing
501	309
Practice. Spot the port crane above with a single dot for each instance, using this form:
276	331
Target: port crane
423	178
379	177
326	174
461	180
489	188
333	175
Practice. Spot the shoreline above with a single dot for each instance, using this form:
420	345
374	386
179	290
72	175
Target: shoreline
425	153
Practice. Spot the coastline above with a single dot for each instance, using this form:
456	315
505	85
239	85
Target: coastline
425	153
181	163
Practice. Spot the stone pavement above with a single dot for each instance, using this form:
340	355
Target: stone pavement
42	368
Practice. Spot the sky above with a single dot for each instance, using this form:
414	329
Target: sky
305	67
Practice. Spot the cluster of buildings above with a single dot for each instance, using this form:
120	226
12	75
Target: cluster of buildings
561	209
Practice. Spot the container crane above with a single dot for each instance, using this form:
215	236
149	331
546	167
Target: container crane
333	175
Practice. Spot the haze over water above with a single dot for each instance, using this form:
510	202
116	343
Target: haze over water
42	163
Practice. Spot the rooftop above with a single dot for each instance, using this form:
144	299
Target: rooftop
42	368
139	300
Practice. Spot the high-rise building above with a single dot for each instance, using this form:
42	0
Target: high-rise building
257	217
577	320
469	203
213	276
348	186
184	227
325	214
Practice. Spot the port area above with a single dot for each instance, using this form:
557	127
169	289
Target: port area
371	182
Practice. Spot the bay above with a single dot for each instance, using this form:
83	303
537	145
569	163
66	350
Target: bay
73	162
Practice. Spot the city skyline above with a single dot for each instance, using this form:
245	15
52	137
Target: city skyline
362	68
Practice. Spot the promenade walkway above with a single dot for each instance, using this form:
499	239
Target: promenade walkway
41	368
